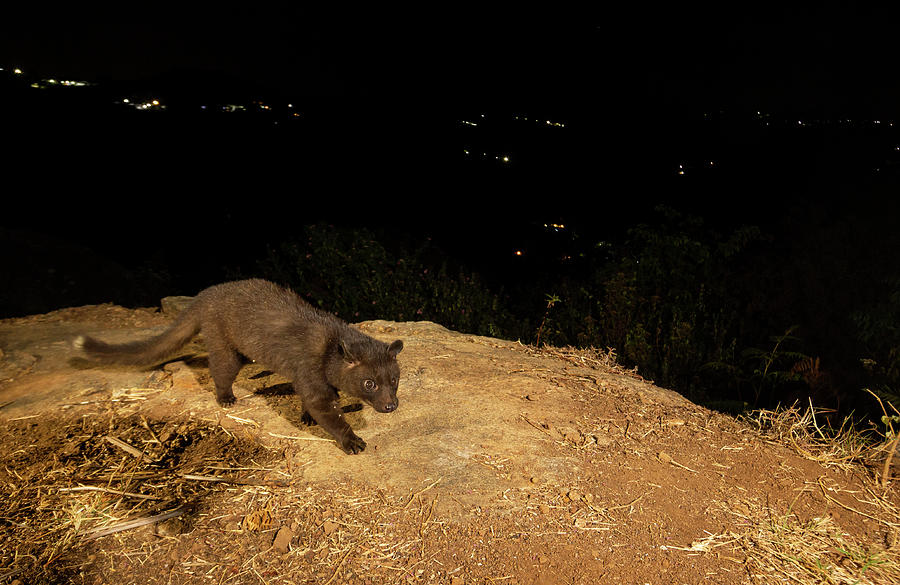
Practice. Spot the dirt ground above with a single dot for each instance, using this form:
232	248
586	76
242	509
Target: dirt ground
503	465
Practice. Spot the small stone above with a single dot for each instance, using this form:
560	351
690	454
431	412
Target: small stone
329	527
573	496
171	306
664	457
282	542
183	377
457	580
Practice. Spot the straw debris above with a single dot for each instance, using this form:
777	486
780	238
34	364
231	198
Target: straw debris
88	481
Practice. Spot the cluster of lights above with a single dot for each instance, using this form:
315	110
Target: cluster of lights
469	122
708	164
499	157
857	123
144	105
256	104
49	82
57	83
539	121
520	118
555	226
154	104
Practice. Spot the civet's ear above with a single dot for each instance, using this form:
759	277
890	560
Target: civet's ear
345	353
395	348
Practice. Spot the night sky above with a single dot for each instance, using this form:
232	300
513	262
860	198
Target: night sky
384	91
833	56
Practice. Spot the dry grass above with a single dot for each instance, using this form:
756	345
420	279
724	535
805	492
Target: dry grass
780	547
97	476
81	496
845	447
590	357
799	428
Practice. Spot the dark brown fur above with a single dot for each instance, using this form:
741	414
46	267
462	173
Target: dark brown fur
267	323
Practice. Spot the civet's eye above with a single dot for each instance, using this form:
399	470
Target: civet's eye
370	385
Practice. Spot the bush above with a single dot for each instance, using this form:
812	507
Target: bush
352	274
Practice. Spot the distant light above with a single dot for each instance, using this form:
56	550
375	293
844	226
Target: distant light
518	253
126	101
155	102
17	71
505	159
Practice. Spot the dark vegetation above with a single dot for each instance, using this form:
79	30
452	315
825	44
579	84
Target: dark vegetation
739	320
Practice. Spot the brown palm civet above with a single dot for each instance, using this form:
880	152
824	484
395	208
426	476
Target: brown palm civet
262	321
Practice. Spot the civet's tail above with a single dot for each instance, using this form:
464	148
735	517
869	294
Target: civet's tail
148	351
